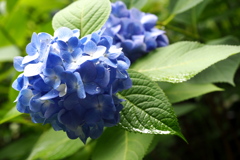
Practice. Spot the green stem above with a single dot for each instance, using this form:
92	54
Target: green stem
169	19
186	33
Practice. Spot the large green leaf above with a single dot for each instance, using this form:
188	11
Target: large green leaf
88	16
54	145
146	108
119	144
180	6
181	61
222	71
8	53
183	91
10	115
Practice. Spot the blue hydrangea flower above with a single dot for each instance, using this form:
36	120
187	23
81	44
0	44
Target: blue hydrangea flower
71	83
134	31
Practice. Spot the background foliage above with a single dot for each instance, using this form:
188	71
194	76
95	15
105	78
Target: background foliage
209	121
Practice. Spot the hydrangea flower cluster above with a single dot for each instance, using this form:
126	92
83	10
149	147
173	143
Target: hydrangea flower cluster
134	31
71	83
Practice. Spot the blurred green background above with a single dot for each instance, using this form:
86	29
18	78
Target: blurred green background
209	122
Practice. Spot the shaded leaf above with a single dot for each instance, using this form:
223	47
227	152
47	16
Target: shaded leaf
222	71
183	109
54	145
183	91
146	108
20	151
180	6
231	40
119	144
10	115
88	16
181	61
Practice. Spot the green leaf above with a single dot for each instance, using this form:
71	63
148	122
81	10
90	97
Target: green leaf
20	151
119	144
11	4
231	40
181	61
183	91
146	108
85	152
182	109
88	16
8	53
191	16
10	115
183	5
222	71
54	145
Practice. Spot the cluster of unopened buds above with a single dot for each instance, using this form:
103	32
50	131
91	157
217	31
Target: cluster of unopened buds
71	83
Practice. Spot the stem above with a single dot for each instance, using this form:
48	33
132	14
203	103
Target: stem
169	19
189	34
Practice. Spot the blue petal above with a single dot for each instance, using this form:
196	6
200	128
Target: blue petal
35	41
18	83
35	104
21	108
50	95
45	37
96	130
92	88
95	37
73	42
63	33
71	101
88	71
31	50
92	116
149	21
29	58
62	45
80	89
90	47
17	63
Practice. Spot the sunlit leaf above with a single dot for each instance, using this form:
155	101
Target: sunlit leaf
88	16
182	61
